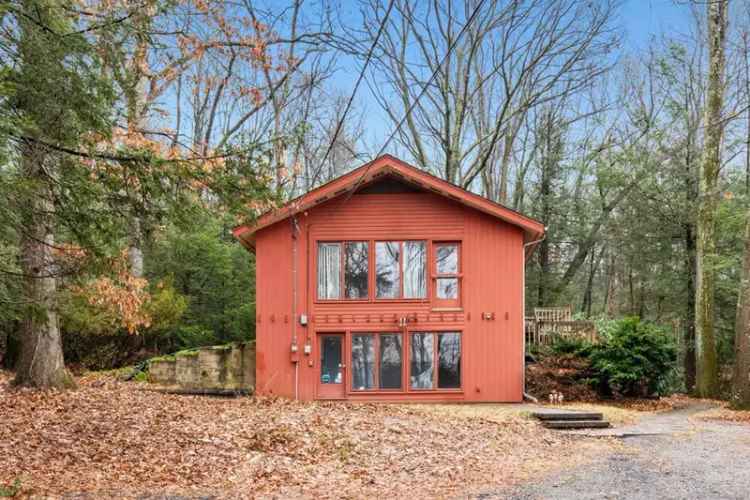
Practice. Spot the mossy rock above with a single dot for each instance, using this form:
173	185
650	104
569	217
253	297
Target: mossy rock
227	347
185	354
166	358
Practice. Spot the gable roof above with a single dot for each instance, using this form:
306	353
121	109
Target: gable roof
388	165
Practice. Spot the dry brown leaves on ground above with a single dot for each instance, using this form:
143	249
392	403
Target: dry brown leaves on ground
563	374
668	403
724	413
113	439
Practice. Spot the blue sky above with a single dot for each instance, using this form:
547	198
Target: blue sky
642	19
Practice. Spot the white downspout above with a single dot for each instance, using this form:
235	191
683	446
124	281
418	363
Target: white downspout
523	316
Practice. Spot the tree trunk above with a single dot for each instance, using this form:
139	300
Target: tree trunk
741	377
551	139
691	194
544	245
135	252
631	291
510	137
746	67
689	339
707	379
544	267
588	293
40	363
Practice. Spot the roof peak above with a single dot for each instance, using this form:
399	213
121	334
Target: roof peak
405	172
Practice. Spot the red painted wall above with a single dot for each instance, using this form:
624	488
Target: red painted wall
492	262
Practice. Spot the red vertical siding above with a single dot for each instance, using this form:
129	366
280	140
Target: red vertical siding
492	262
274	371
494	282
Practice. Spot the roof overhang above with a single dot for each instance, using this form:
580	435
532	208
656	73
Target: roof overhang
388	165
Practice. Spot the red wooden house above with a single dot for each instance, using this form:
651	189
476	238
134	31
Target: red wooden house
390	284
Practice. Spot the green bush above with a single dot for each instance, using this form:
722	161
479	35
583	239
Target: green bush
605	326
10	490
577	346
207	266
190	336
637	359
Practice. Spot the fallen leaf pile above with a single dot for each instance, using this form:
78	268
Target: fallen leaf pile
667	403
116	439
564	374
724	413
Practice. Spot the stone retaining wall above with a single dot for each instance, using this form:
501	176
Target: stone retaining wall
227	367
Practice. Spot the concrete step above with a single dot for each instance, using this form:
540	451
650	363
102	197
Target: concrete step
567	415
575	424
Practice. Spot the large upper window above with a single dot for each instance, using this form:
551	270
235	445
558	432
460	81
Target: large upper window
376	361
343	270
435	360
400	269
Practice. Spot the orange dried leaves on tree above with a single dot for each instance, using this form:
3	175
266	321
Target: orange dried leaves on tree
122	296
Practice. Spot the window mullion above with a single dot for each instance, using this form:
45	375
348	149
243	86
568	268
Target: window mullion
371	271
401	268
435	360
376	370
407	367
342	288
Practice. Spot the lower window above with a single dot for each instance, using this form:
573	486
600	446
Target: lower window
435	360
377	361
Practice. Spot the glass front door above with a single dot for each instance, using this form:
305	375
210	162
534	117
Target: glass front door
332	378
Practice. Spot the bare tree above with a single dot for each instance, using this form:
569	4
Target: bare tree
514	56
282	102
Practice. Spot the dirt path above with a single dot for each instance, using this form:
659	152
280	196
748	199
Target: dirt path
668	455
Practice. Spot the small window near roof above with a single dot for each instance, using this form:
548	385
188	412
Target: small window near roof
447	274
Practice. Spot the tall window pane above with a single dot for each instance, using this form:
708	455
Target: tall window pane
449	361
387	269
415	270
390	361
329	270
447	259
355	270
363	362
421	351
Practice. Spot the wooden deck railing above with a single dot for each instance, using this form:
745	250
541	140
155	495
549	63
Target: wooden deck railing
543	332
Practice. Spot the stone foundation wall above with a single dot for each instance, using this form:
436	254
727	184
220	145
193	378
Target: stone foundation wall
162	371
229	367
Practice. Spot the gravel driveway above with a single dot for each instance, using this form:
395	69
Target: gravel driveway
666	455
